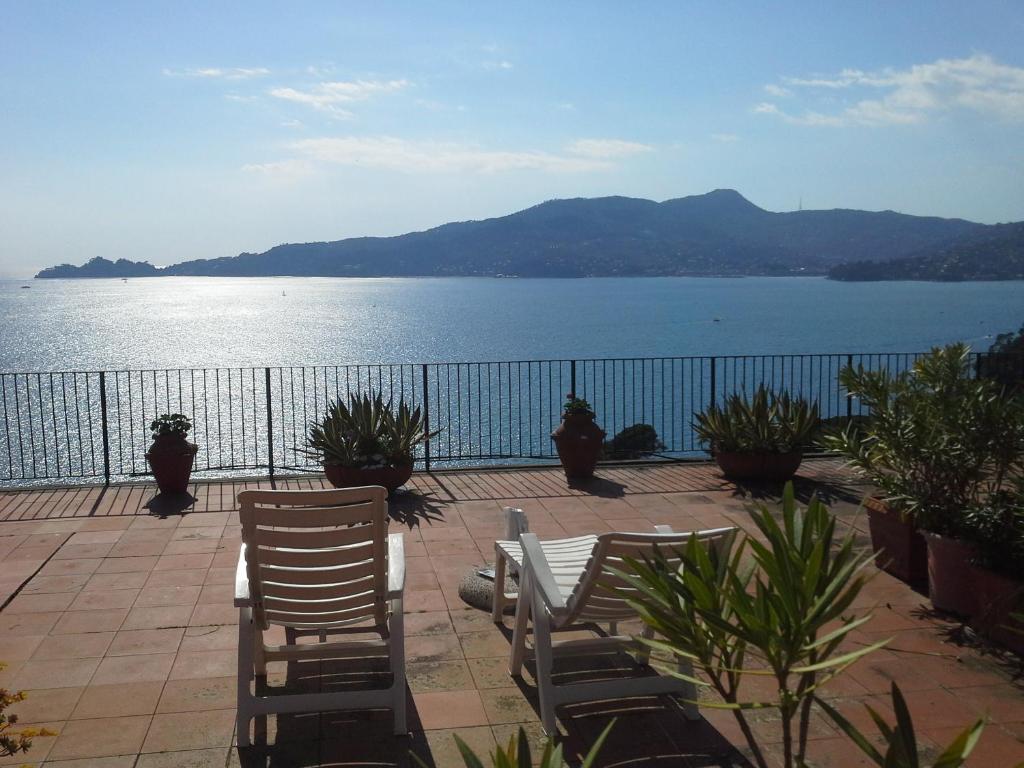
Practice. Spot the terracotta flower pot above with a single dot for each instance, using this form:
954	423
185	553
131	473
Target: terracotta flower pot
998	597
170	458
763	467
900	549
392	477
951	575
579	441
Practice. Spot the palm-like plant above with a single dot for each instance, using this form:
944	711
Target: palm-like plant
517	753
766	423
775	608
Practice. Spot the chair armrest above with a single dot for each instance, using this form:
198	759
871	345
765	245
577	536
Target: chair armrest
396	565
535	564
242	598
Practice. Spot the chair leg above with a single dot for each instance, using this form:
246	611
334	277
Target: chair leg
396	642
643	656
544	657
245	675
688	690
498	603
258	654
523	607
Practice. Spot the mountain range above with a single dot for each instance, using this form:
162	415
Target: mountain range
720	233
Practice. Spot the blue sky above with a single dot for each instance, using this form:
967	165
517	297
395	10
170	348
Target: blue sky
174	131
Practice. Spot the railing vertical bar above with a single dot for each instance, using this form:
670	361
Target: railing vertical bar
426	417
270	422
103	427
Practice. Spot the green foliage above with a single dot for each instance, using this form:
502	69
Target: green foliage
14	741
776	606
1004	361
634	442
170	424
517	753
900	740
767	423
938	442
367	432
576	406
996	527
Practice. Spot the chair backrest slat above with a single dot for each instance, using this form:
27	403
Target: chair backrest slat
593	597
316	558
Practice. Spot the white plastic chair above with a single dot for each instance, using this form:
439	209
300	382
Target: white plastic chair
564	586
320	561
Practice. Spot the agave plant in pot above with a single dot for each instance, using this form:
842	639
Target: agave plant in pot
761	438
367	441
171	454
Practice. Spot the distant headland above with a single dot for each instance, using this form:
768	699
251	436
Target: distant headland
720	234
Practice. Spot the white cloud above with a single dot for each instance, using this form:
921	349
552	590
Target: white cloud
777	90
503	64
606	149
427	156
566	106
327	96
725	138
220	73
281	170
239	97
977	84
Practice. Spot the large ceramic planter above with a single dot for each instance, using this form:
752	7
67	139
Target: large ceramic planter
900	549
170	459
355	477
951	575
762	467
579	441
998	597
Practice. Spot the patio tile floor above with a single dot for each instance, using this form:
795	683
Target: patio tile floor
117	619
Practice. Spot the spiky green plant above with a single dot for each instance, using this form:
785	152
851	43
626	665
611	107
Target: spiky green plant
367	431
766	423
776	608
517	753
900	740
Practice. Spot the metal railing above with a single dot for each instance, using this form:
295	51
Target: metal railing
94	425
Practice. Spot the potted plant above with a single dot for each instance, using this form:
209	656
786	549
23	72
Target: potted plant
996	530
578	439
939	443
171	454
761	438
367	441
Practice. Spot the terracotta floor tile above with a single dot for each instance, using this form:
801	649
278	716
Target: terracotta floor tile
100	738
170	595
101	600
104	581
441	749
190	730
428	623
119	700
210	638
47	705
198	695
76	622
158	617
153	667
199	665
80	646
185	577
188	562
135	641
506	705
47	584
213	615
194	758
126	564
41	746
42	603
490	672
27	623
492	642
430	600
433	648
449	709
55	673
15	647
438	676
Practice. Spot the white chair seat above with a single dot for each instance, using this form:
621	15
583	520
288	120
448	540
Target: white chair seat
567	558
